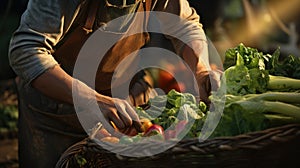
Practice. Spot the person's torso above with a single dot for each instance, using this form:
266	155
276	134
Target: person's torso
113	18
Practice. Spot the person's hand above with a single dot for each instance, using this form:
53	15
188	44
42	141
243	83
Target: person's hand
120	115
208	81
141	89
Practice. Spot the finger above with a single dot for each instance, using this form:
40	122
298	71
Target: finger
203	94
207	85
114	117
145	90
149	94
116	132
216	79
137	92
135	118
122	112
131	131
138	126
109	127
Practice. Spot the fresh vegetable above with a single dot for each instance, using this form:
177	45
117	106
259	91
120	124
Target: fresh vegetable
286	66
167	82
281	83
254	112
173	112
110	139
146	124
168	110
287	97
154	130
249	75
251	56
126	140
254	99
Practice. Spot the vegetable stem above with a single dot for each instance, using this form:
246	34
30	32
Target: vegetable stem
282	108
281	82
288	97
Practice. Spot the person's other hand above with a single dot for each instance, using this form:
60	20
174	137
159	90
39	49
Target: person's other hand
208	81
141	89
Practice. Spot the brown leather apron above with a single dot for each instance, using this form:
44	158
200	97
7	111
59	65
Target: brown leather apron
47	127
120	50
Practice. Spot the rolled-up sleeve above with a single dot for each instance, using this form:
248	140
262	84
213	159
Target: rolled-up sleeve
185	30
41	27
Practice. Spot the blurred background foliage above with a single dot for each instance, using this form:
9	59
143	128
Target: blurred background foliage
262	24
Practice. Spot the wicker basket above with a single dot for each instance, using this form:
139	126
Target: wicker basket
275	147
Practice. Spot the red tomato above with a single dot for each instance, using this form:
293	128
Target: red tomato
154	130
164	79
179	87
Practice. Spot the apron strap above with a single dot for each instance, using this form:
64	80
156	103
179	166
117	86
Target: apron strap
88	26
147	8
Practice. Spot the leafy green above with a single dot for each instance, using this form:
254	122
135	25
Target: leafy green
259	80
237	78
236	120
251	56
254	100
288	66
166	110
251	72
255	112
242	79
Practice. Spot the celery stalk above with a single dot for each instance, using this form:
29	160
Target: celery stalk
281	82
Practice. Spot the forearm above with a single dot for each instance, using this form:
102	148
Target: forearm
195	55
57	84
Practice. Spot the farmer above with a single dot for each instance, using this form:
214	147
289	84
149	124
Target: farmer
42	53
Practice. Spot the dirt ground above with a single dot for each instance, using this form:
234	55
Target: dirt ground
9	153
8	140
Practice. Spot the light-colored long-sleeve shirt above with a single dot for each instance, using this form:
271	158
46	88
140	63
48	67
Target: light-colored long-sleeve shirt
44	24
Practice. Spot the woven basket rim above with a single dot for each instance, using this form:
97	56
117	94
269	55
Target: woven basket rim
250	141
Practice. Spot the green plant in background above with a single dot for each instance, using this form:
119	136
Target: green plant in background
8	118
